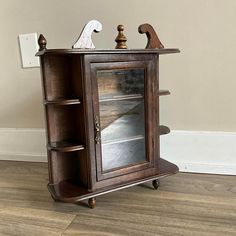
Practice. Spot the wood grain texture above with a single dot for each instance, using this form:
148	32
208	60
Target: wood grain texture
106	51
184	204
153	40
121	39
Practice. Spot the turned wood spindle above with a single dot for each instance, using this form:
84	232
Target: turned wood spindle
92	202
121	39
42	42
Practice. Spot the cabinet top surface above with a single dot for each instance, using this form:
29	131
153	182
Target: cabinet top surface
108	51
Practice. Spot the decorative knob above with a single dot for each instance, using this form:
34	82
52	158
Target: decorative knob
121	39
42	42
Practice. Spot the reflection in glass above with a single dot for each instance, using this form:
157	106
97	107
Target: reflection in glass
121	105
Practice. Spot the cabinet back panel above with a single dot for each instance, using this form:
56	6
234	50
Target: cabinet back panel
65	124
69	166
62	77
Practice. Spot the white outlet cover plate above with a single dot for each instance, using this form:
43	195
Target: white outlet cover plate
29	47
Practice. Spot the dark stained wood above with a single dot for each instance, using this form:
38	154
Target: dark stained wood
155	184
163	92
65	121
64	146
92	202
164	129
107	51
71	102
68	166
67	191
153	40
138	61
42	42
121	39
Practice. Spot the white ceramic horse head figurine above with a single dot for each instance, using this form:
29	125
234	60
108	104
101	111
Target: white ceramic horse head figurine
85	41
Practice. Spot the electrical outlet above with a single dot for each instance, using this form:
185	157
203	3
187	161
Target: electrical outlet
29	47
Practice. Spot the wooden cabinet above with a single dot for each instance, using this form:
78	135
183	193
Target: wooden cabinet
102	120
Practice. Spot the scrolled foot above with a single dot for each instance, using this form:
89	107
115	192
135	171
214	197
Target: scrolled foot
92	202
156	183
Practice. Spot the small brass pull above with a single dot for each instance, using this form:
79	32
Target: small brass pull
97	139
97	130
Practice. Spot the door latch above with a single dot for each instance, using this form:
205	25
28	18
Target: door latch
97	130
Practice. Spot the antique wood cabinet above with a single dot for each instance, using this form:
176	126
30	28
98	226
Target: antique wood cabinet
102	120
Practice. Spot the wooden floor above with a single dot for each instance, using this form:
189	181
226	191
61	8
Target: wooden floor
185	204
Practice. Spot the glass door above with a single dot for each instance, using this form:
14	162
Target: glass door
122	117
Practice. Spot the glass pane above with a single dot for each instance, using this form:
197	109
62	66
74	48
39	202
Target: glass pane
121	105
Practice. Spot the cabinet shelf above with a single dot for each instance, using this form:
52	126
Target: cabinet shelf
61	102
102	120
67	191
164	129
163	92
64	146
121	97
122	140
129	97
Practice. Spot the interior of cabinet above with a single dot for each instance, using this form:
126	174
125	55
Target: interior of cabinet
69	191
65	125
121	96
68	166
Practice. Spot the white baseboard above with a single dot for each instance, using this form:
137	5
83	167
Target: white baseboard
192	151
23	145
200	151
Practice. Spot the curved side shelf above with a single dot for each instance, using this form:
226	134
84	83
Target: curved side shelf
163	92
61	102
164	130
64	147
67	191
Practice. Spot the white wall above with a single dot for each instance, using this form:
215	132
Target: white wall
201	78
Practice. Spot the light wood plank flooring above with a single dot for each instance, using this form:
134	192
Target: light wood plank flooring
185	204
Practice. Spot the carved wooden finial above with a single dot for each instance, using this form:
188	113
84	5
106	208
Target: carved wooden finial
85	38
153	40
42	42
121	39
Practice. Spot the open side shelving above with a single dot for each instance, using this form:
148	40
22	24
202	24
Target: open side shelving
64	146
62	102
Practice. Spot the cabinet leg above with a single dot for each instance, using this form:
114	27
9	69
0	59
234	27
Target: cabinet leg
156	183
92	202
